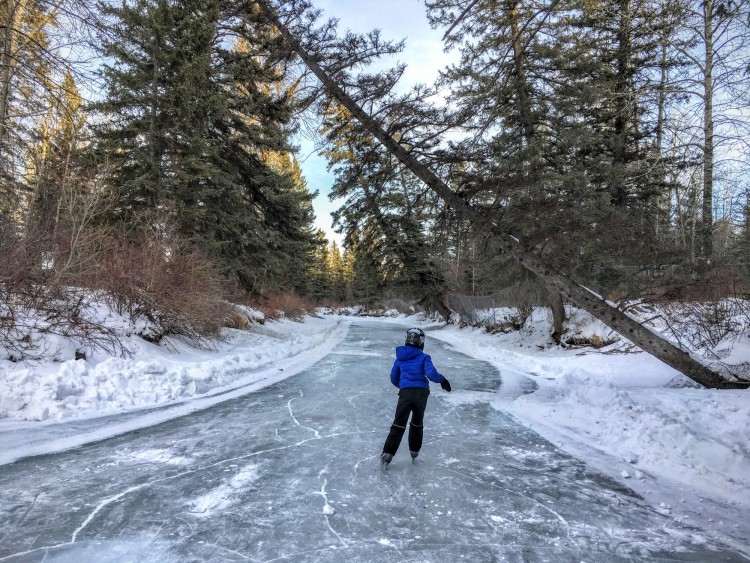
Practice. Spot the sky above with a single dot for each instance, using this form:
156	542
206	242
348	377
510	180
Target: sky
423	55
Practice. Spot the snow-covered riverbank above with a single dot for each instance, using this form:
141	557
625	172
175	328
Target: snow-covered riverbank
159	375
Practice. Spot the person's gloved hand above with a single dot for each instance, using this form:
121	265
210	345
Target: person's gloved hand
445	385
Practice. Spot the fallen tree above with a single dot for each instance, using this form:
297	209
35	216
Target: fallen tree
610	315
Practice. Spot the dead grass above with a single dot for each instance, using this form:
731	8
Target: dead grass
175	288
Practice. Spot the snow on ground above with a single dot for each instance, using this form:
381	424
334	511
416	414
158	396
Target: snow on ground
159	375
683	447
225	495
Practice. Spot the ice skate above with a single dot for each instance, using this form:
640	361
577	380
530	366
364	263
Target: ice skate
385	459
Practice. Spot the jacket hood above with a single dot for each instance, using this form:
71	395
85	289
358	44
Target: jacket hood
406	353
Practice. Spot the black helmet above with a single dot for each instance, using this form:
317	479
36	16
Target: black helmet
415	337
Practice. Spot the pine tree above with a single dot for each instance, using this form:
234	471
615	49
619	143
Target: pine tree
26	81
135	107
296	250
368	281
336	273
320	283
553	99
192	119
385	201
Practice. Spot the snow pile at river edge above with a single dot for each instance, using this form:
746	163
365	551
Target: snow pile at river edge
156	375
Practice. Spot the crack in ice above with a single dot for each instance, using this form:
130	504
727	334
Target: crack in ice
323	493
23	518
242	555
294	418
101	505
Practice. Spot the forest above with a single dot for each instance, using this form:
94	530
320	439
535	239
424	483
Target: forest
148	160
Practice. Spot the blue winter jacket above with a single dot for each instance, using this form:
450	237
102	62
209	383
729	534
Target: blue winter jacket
413	368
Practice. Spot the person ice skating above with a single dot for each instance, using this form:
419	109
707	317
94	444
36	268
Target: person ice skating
411	373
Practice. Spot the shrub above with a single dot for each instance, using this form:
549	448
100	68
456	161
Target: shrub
705	325
35	305
288	305
175	288
31	312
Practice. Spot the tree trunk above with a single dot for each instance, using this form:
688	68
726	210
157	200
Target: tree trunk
663	208
12	15
524	106
585	299
708	134
557	304
623	99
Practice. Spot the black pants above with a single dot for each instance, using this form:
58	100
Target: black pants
410	401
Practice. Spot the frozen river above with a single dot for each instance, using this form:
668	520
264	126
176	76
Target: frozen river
291	473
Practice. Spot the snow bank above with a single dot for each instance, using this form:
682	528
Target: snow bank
156	375
360	311
623	411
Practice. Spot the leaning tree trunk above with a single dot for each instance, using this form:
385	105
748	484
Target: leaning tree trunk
585	299
557	304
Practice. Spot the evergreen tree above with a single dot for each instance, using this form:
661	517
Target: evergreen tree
193	115
388	203
296	261
336	273
26	81
368	278
319	284
553	99
135	105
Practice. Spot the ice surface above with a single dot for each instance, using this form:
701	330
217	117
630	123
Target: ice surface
250	479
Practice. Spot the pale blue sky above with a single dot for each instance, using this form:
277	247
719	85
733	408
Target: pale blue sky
397	19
